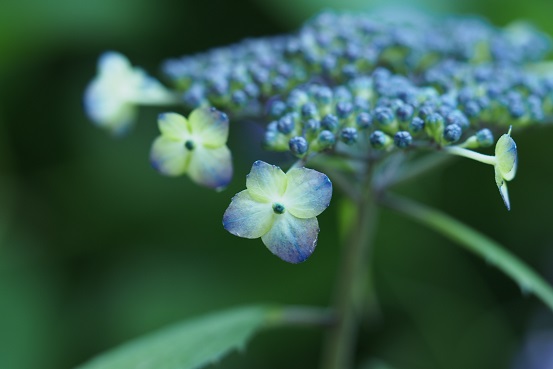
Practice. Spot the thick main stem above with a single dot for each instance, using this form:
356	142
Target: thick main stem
350	289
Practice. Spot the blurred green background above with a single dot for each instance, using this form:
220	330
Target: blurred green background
97	248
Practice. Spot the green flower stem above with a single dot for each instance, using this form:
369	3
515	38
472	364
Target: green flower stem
350	289
528	280
412	171
303	316
459	151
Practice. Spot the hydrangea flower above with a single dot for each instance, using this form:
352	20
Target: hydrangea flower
505	162
281	208
111	100
195	146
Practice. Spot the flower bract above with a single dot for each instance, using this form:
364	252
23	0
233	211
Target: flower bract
195	146
111	100
281	208
506	164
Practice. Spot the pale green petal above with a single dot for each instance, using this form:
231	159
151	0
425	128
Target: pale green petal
209	126
292	239
149	91
502	186
308	193
266	182
108	110
246	217
169	157
211	167
506	156
173	126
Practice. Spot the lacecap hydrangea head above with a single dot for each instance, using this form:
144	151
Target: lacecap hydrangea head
112	98
195	146
281	208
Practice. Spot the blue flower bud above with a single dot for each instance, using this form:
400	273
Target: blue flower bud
425	111
349	135
297	99
329	122
239	98
286	124
452	133
416	125
298	145
276	108
364	120
349	71
457	117
402	139
344	109
326	139
405	113
516	110
279	83
384	116
341	93
323	95
251	90
194	96
484	137
472	109
379	140
434	126
312	126
309	110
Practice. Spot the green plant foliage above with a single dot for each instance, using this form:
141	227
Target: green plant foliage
495	254
191	344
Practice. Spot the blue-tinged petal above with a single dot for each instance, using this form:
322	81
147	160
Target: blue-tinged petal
174	126
169	157
292	239
266	182
211	167
246	217
210	126
308	193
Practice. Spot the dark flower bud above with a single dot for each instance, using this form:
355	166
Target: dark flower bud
405	113
364	120
416	125
286	124
384	116
329	122
323	95
379	140
239	98
276	108
402	139
344	109
326	139
452	133
312	125
484	137
349	135
298	145
309	110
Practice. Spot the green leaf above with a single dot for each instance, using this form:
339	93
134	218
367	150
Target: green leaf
495	254
191	344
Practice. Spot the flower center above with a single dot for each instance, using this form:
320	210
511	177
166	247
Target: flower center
278	208
189	144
